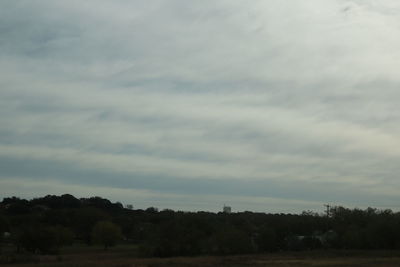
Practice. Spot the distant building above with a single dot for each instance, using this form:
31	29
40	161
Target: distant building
227	209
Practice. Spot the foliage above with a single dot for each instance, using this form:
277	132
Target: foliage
106	233
43	225
43	239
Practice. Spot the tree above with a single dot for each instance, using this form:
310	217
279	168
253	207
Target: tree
230	240
266	239
37	238
63	236
4	228
85	219
106	233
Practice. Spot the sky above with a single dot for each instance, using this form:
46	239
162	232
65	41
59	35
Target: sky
262	105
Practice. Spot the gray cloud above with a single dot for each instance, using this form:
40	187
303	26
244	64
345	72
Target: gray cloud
295	101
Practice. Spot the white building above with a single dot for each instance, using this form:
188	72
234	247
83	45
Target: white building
227	209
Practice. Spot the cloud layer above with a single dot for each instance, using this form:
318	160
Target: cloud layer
269	105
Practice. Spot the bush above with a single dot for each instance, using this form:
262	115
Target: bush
43	239
37	239
106	233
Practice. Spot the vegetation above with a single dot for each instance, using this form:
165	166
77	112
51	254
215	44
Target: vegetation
45	225
106	233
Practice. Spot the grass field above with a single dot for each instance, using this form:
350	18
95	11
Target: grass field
123	257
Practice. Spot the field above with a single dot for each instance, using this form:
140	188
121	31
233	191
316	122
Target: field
122	257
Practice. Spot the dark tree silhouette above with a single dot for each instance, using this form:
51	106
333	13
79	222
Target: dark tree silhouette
106	233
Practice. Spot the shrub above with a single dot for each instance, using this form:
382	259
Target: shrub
106	233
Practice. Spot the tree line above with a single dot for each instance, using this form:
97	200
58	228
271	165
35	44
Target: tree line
45	224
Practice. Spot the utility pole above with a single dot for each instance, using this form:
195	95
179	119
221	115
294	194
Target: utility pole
328	210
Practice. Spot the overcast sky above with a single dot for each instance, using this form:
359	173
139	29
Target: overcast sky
263	105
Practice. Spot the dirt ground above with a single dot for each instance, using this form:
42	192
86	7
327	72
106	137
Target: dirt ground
122	258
